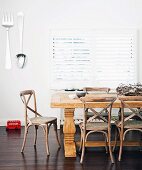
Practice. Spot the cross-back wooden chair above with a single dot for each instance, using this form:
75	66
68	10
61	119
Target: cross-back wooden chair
103	126
28	98
128	122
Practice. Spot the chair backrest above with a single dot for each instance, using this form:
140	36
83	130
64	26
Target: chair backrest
90	103
96	89
134	104
28	98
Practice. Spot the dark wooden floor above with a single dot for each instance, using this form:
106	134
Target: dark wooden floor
36	159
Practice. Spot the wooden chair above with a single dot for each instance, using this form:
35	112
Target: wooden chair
29	100
103	125
128	122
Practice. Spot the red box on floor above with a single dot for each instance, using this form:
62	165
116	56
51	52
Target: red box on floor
13	124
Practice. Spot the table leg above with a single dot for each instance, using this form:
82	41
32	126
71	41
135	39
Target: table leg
69	132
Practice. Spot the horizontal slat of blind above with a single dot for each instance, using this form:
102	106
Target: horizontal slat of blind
71	57
107	57
115	58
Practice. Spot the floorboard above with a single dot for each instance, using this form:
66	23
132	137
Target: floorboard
36	159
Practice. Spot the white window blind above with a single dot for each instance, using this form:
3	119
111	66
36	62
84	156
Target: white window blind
115	57
93	57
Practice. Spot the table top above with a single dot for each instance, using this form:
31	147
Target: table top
62	100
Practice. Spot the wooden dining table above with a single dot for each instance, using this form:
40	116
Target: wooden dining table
62	100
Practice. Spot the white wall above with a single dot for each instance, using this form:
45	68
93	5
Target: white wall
40	17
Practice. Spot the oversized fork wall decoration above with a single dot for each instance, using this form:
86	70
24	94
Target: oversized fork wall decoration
7	22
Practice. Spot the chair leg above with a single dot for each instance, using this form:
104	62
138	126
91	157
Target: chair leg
109	146
55	129
81	141
140	147
141	142
115	139
121	144
83	149
106	146
35	138
25	137
46	140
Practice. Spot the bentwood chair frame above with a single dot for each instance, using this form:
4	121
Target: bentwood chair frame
97	90
128	122
28	98
88	126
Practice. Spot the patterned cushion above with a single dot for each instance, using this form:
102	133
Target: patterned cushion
42	120
134	124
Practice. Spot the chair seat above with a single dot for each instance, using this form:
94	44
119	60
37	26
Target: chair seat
95	126
130	124
42	120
